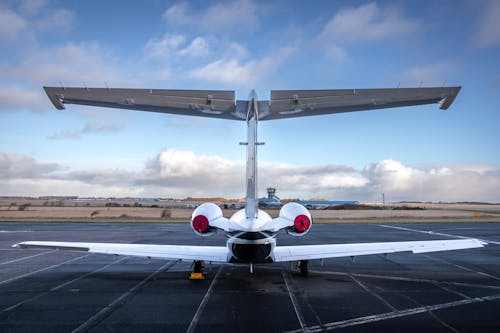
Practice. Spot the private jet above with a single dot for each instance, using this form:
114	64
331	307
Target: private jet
251	232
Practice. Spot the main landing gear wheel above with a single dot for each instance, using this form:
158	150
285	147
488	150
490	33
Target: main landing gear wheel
304	268
198	272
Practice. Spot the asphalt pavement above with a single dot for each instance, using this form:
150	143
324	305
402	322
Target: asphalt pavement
63	291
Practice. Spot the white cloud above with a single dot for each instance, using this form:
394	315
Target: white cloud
14	166
226	17
59	19
488	30
430	75
163	47
178	173
439	183
11	24
70	64
32	17
236	71
365	24
32	7
198	47
15	98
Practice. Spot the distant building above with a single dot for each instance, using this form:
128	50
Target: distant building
272	199
324	204
58	197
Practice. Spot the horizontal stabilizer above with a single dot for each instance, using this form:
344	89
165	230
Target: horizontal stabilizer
301	103
201	103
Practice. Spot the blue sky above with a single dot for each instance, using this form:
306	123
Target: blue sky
414	153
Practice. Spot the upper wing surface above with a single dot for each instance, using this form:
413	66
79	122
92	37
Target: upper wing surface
301	103
307	252
183	252
202	103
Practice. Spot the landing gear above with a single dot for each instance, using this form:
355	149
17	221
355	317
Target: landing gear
304	268
198	272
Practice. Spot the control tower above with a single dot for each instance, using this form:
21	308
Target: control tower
272	200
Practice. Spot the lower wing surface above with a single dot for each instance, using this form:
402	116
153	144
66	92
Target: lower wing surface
307	252
281	253
183	252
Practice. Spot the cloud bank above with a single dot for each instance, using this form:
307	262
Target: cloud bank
179	173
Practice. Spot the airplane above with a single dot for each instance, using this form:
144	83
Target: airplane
251	232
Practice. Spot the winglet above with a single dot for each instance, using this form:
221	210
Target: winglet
56	99
448	100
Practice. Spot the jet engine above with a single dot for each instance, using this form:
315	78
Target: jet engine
299	218
207	218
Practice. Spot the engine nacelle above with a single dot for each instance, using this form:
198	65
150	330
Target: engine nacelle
206	219
299	217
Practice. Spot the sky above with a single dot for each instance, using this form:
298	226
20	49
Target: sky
413	153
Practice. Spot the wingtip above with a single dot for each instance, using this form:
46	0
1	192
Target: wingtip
55	98
450	98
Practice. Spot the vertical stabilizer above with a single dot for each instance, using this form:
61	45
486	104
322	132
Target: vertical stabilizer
251	201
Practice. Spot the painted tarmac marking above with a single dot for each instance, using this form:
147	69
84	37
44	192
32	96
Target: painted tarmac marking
201	307
461	267
429	232
401	278
62	285
394	309
395	314
24	258
120	301
374	294
42	270
462	295
298	313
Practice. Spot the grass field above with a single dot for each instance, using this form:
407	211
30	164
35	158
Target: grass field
19	209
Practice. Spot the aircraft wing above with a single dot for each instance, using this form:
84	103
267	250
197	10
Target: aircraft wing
183	252
202	103
307	252
301	103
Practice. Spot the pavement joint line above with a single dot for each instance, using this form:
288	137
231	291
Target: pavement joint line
24	258
43	269
374	294
396	314
462	295
430	232
192	325
58	287
295	304
120	301
461	267
401	278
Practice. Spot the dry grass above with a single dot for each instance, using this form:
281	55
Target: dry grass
39	210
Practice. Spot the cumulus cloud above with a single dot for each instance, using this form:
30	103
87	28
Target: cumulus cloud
178	173
164	46
14	166
365	24
225	17
241	72
488	29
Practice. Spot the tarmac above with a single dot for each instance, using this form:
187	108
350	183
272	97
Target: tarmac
61	291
